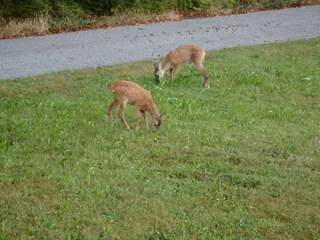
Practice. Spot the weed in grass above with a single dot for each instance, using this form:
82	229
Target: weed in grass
238	161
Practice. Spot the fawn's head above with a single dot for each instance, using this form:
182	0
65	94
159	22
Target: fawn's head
158	72
157	122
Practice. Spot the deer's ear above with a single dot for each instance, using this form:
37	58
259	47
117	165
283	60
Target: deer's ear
162	114
156	65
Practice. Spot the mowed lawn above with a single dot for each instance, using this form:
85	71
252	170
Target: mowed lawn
238	161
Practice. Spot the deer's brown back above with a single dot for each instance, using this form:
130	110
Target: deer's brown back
130	92
186	54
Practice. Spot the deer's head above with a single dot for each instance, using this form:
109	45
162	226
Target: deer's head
157	122
158	71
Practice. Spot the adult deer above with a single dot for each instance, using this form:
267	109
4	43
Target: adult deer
126	92
182	55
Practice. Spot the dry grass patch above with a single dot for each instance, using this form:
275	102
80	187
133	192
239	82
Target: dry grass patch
25	27
136	17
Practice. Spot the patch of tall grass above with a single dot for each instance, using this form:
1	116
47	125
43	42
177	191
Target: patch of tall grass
24	27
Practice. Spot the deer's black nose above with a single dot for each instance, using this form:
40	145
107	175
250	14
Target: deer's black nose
157	78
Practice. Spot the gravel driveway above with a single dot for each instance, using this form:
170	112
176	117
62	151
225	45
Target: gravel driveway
37	55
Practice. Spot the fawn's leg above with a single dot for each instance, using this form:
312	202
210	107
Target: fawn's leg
111	107
144	114
121	114
175	71
204	73
137	113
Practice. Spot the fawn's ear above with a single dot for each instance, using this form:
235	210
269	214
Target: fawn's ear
162	114
156	65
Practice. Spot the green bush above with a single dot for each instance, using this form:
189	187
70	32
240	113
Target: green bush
24	8
193	4
62	8
98	7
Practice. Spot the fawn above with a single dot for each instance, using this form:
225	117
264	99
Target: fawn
126	92
182	55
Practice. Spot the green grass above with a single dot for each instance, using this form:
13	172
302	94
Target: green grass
237	161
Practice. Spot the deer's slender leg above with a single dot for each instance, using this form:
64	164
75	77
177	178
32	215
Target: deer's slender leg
137	113
204	73
144	114
111	107
121	114
175	71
